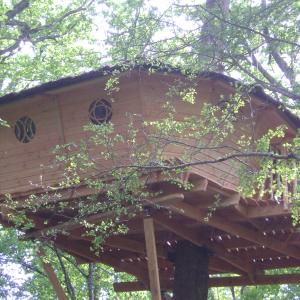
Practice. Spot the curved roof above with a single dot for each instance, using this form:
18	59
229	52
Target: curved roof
256	91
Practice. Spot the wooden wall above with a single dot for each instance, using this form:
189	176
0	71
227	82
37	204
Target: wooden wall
60	115
154	90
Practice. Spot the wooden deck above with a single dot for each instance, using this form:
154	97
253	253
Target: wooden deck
247	237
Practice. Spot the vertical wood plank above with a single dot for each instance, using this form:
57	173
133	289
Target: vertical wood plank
152	259
60	293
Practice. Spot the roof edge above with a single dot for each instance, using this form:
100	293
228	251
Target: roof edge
254	90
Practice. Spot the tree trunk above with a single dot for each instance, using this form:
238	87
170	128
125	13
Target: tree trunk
90	281
233	293
212	34
70	288
191	272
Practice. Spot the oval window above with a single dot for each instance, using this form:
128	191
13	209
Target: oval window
25	129
100	111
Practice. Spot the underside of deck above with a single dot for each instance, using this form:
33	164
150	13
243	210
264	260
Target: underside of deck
246	237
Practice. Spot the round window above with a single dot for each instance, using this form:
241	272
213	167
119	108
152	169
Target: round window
100	111
25	129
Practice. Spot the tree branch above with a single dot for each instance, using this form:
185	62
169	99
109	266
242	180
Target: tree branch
17	9
287	71
158	166
249	29
69	285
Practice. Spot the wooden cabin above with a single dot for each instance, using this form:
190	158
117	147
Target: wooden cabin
246	236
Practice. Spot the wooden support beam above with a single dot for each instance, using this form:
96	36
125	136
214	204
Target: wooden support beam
218	265
53	196
166	199
217	282
224	201
190	235
242	212
83	251
259	280
219	190
159	177
71	225
235	229
5	213
233	199
267	211
252	212
199	185
134	286
60	293
152	259
132	245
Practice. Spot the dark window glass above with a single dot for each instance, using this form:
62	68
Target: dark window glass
100	111
25	129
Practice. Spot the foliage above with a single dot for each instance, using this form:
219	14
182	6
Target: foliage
268	292
3	123
120	178
256	40
44	40
41	41
20	257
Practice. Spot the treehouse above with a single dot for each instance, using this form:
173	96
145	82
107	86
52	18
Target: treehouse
244	236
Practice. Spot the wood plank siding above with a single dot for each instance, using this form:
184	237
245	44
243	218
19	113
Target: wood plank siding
60	115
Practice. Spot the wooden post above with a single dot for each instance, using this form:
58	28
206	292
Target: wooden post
60	293
152	259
